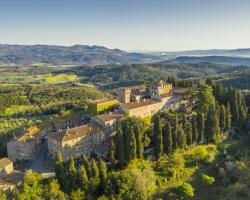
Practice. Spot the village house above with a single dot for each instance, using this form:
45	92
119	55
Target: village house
109	121
88	139
9	178
25	146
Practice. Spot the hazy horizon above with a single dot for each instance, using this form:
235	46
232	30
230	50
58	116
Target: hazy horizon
132	25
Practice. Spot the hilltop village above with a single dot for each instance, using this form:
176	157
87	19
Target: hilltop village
76	137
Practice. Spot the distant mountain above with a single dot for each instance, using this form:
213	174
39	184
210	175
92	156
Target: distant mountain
72	55
235	61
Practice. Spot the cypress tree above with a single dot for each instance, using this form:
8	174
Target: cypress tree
120	147
212	125
235	108
200	127
87	166
189	134
184	123
182	137
72	173
133	151
95	172
59	168
174	133
103	175
158	142
83	178
127	140
112	153
222	117
228	117
169	142
139	145
194	129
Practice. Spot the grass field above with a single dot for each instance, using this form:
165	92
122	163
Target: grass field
38	79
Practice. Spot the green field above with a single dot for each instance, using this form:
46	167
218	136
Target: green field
38	79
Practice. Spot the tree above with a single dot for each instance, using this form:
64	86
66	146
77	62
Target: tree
185	191
72	173
95	173
103	175
194	129
235	108
77	195
228	117
169	141
83	178
53	192
175	132
200	127
212	125
87	166
31	189
158	141
139	144
59	168
133	151
112	152
189	134
182	137
120	147
222	117
184	123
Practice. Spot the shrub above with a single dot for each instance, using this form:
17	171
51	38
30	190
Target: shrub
185	190
209	180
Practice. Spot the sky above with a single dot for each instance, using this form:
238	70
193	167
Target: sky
157	25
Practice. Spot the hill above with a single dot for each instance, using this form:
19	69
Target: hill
236	61
68	55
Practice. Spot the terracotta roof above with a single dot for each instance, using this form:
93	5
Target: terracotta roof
15	177
166	95
69	134
137	92
4	162
109	116
133	105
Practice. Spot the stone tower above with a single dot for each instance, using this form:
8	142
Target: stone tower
126	95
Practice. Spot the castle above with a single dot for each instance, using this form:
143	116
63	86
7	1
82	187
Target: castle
93	137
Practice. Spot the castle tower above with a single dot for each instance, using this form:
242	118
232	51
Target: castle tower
126	95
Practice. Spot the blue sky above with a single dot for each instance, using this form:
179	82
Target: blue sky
128	24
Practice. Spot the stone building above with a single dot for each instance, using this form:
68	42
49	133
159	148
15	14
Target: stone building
25	146
6	167
142	109
9	178
159	88
109	121
87	139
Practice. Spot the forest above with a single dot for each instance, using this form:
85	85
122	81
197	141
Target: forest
175	156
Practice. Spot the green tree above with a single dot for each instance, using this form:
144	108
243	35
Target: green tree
112	152
182	137
185	191
228	117
120	147
175	133
87	166
83	177
235	108
95	173
59	168
133	145
53	192
139	143
77	195
103	175
72	173
189	134
158	141
200	127
222	117
31	188
194	129
212	125
169	141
